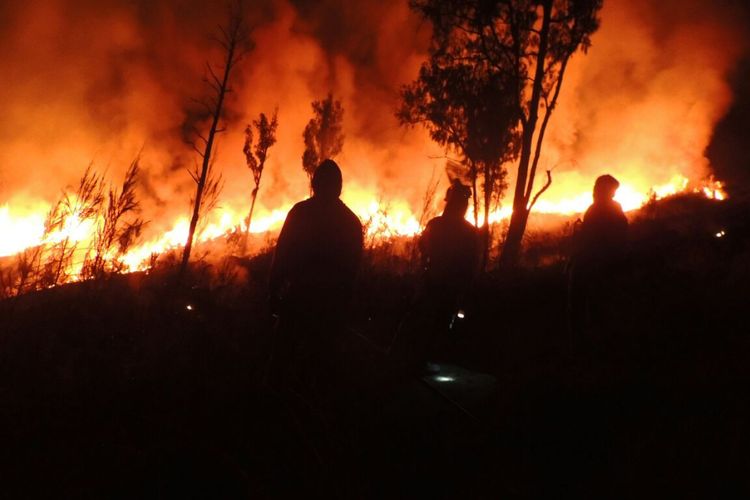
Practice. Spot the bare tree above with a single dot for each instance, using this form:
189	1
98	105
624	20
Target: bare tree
66	216
211	192
27	267
50	263
323	134
426	212
428	199
234	39
117	230
256	158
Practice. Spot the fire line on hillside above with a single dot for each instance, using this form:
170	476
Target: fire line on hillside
394	219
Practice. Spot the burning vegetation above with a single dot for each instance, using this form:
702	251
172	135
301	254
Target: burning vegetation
649	125
194	351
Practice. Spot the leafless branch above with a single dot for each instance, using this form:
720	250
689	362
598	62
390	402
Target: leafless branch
542	190
212	74
201	103
194	174
195	148
543	127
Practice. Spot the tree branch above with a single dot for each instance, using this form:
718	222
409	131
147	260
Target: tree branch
195	148
544	188
542	129
202	104
193	175
215	78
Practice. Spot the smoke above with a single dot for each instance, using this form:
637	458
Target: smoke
729	150
643	102
100	81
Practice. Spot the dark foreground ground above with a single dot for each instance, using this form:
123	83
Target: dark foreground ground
120	391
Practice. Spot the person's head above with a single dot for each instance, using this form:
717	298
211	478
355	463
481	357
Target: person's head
457	199
605	187
326	181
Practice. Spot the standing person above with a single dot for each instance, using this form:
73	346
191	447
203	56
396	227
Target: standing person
598	248
314	266
449	247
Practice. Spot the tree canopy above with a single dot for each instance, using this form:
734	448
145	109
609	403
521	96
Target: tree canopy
323	134
510	55
463	111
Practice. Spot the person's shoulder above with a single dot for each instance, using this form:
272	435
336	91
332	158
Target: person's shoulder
467	228
590	212
298	213
439	225
301	206
435	221
351	217
620	214
614	209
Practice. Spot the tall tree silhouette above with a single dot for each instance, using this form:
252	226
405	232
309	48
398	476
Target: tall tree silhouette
465	112
523	46
256	157
234	40
323	134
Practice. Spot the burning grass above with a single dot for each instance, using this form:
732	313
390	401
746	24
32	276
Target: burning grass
88	234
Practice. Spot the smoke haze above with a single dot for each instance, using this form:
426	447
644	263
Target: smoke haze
102	80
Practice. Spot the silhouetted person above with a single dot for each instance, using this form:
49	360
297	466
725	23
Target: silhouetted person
449	246
312	274
598	249
450	252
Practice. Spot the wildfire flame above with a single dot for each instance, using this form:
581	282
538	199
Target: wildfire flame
643	102
25	229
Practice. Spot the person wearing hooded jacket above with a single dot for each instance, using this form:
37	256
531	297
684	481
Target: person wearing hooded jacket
599	247
312	273
450	251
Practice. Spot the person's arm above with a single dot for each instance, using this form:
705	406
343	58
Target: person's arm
623	222
584	238
353	256
360	244
282	258
477	254
424	244
622	234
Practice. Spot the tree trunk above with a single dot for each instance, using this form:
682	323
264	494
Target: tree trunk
207	157
488	185
524	183
249	218
512	247
474	196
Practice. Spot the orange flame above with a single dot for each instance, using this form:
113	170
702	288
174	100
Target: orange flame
25	229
